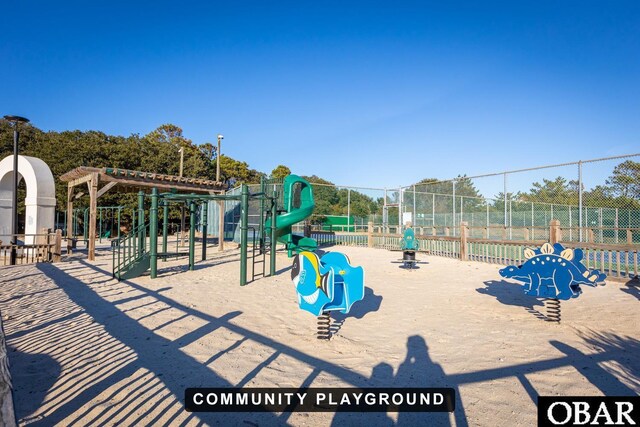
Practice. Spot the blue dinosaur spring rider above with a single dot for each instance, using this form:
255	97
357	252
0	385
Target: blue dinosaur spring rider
326	284
553	272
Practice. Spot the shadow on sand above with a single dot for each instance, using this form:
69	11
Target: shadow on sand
146	349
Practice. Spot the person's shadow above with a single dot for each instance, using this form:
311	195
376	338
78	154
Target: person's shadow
381	376
418	370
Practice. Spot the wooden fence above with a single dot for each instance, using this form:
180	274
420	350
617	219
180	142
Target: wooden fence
47	247
618	261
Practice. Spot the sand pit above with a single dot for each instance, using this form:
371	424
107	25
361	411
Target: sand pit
88	350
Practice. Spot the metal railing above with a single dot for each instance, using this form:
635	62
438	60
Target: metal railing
129	249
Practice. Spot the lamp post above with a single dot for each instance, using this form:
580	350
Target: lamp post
221	203
15	121
220	138
182	219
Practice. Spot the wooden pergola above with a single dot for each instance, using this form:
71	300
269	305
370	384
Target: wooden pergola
127	180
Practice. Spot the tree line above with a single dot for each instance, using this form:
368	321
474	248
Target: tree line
157	152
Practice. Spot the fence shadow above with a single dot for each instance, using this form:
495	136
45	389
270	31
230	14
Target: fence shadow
138	348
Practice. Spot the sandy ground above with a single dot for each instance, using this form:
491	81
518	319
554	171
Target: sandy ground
88	350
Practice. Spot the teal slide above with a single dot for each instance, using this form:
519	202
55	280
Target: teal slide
298	204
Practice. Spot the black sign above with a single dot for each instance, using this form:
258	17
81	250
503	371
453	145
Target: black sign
320	399
588	411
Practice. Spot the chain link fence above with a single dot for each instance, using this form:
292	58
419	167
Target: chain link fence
595	201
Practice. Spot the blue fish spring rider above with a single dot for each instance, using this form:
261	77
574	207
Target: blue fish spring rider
326	284
555	273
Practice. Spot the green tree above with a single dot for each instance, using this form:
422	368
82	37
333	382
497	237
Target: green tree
280	171
625	180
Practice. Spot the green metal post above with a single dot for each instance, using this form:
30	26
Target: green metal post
244	233
205	224
261	231
141	243
100	232
119	209
153	233
192	233
165	225
274	216
85	229
131	233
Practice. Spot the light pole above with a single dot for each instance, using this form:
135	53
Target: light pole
221	203
15	121
220	138
182	220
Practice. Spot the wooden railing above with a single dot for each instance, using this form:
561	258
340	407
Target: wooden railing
46	247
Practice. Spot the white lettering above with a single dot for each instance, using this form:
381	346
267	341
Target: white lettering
344	400
269	398
215	398
301	397
552	418
602	412
399	399
581	408
409	401
320	397
226	399
331	401
256	399
195	398
242	398
370	399
384	397
438	398
357	396
624	414
425	399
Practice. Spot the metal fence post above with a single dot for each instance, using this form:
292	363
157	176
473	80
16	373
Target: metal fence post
580	198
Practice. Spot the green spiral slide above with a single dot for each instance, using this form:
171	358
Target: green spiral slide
296	209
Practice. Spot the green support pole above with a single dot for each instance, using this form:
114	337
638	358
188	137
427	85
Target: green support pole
100	232
205	224
85	229
142	241
274	216
119	209
244	233
261	231
165	226
192	233
153	233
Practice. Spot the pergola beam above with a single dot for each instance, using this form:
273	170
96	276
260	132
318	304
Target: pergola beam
79	181
106	188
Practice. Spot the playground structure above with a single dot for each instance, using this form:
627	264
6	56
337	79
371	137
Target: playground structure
325	284
298	206
134	254
554	273
126	180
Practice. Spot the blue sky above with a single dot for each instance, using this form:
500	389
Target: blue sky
361	93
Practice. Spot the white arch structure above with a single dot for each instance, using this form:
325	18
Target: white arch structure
40	202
